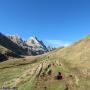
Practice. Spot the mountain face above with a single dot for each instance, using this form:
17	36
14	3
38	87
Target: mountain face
13	45
6	54
32	43
10	48
36	45
16	39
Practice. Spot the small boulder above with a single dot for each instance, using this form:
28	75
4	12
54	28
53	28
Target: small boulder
59	76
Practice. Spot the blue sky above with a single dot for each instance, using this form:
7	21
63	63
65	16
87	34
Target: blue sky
57	22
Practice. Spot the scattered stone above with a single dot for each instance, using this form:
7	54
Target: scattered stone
49	65
59	76
45	88
49	72
66	88
70	76
43	74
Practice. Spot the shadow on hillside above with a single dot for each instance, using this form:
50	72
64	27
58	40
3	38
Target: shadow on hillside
2	57
7	43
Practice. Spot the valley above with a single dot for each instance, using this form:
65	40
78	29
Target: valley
61	69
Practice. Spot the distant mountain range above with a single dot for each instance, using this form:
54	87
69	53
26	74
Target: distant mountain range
14	44
32	44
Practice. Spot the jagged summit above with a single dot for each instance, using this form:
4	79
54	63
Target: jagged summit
32	41
36	44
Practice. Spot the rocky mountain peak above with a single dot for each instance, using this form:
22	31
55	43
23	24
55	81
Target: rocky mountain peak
36	44
33	41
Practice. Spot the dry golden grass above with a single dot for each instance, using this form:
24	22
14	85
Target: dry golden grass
73	62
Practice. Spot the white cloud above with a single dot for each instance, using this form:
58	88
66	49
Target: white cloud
57	43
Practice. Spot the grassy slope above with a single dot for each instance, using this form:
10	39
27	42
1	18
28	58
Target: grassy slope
31	73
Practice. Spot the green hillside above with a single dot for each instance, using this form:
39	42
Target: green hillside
63	69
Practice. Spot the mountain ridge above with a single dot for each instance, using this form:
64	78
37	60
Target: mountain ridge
13	45
33	43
